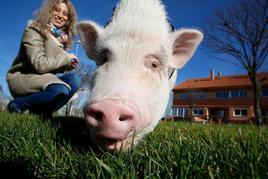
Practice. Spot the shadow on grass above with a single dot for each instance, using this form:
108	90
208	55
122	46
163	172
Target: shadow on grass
73	131
15	169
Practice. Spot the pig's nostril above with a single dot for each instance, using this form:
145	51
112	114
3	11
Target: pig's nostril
125	117
122	118
98	116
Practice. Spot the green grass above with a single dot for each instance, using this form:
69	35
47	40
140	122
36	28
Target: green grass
32	148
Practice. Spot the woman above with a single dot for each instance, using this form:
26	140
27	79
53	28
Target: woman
36	79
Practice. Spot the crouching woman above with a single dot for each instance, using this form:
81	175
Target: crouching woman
36	78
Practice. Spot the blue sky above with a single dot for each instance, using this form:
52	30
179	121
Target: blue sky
190	13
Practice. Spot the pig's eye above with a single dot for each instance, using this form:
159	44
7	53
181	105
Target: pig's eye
154	65
152	62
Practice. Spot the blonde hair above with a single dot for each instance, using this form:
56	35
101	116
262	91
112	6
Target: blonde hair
43	17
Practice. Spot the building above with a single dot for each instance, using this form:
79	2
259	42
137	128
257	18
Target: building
218	98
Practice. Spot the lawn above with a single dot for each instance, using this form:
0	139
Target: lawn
60	148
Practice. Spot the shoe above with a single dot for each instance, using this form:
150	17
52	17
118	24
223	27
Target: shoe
13	108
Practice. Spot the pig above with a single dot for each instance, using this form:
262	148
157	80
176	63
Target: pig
137	55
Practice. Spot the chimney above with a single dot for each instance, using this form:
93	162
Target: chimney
219	75
212	75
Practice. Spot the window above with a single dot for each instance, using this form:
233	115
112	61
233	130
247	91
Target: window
243	94
191	95
198	111
232	94
240	112
202	95
174	111
222	94
264	93
179	112
182	96
239	94
235	94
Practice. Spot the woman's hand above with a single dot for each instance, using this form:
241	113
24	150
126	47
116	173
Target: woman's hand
74	62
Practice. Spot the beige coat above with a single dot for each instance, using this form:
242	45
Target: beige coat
37	62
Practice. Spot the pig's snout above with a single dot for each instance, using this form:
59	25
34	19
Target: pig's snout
111	119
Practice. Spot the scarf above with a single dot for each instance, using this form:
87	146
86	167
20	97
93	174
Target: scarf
60	34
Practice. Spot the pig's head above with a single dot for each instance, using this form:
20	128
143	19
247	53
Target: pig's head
136	55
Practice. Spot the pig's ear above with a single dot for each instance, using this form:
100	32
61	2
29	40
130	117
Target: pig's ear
184	45
89	33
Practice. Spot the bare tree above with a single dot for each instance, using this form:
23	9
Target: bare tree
85	71
241	31
192	97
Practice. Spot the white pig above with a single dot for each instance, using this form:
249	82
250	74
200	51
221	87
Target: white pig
135	54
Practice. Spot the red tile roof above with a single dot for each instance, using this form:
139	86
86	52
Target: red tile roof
223	82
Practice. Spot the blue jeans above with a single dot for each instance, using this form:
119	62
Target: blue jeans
52	98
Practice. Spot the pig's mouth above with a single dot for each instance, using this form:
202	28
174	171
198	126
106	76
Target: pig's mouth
112	144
